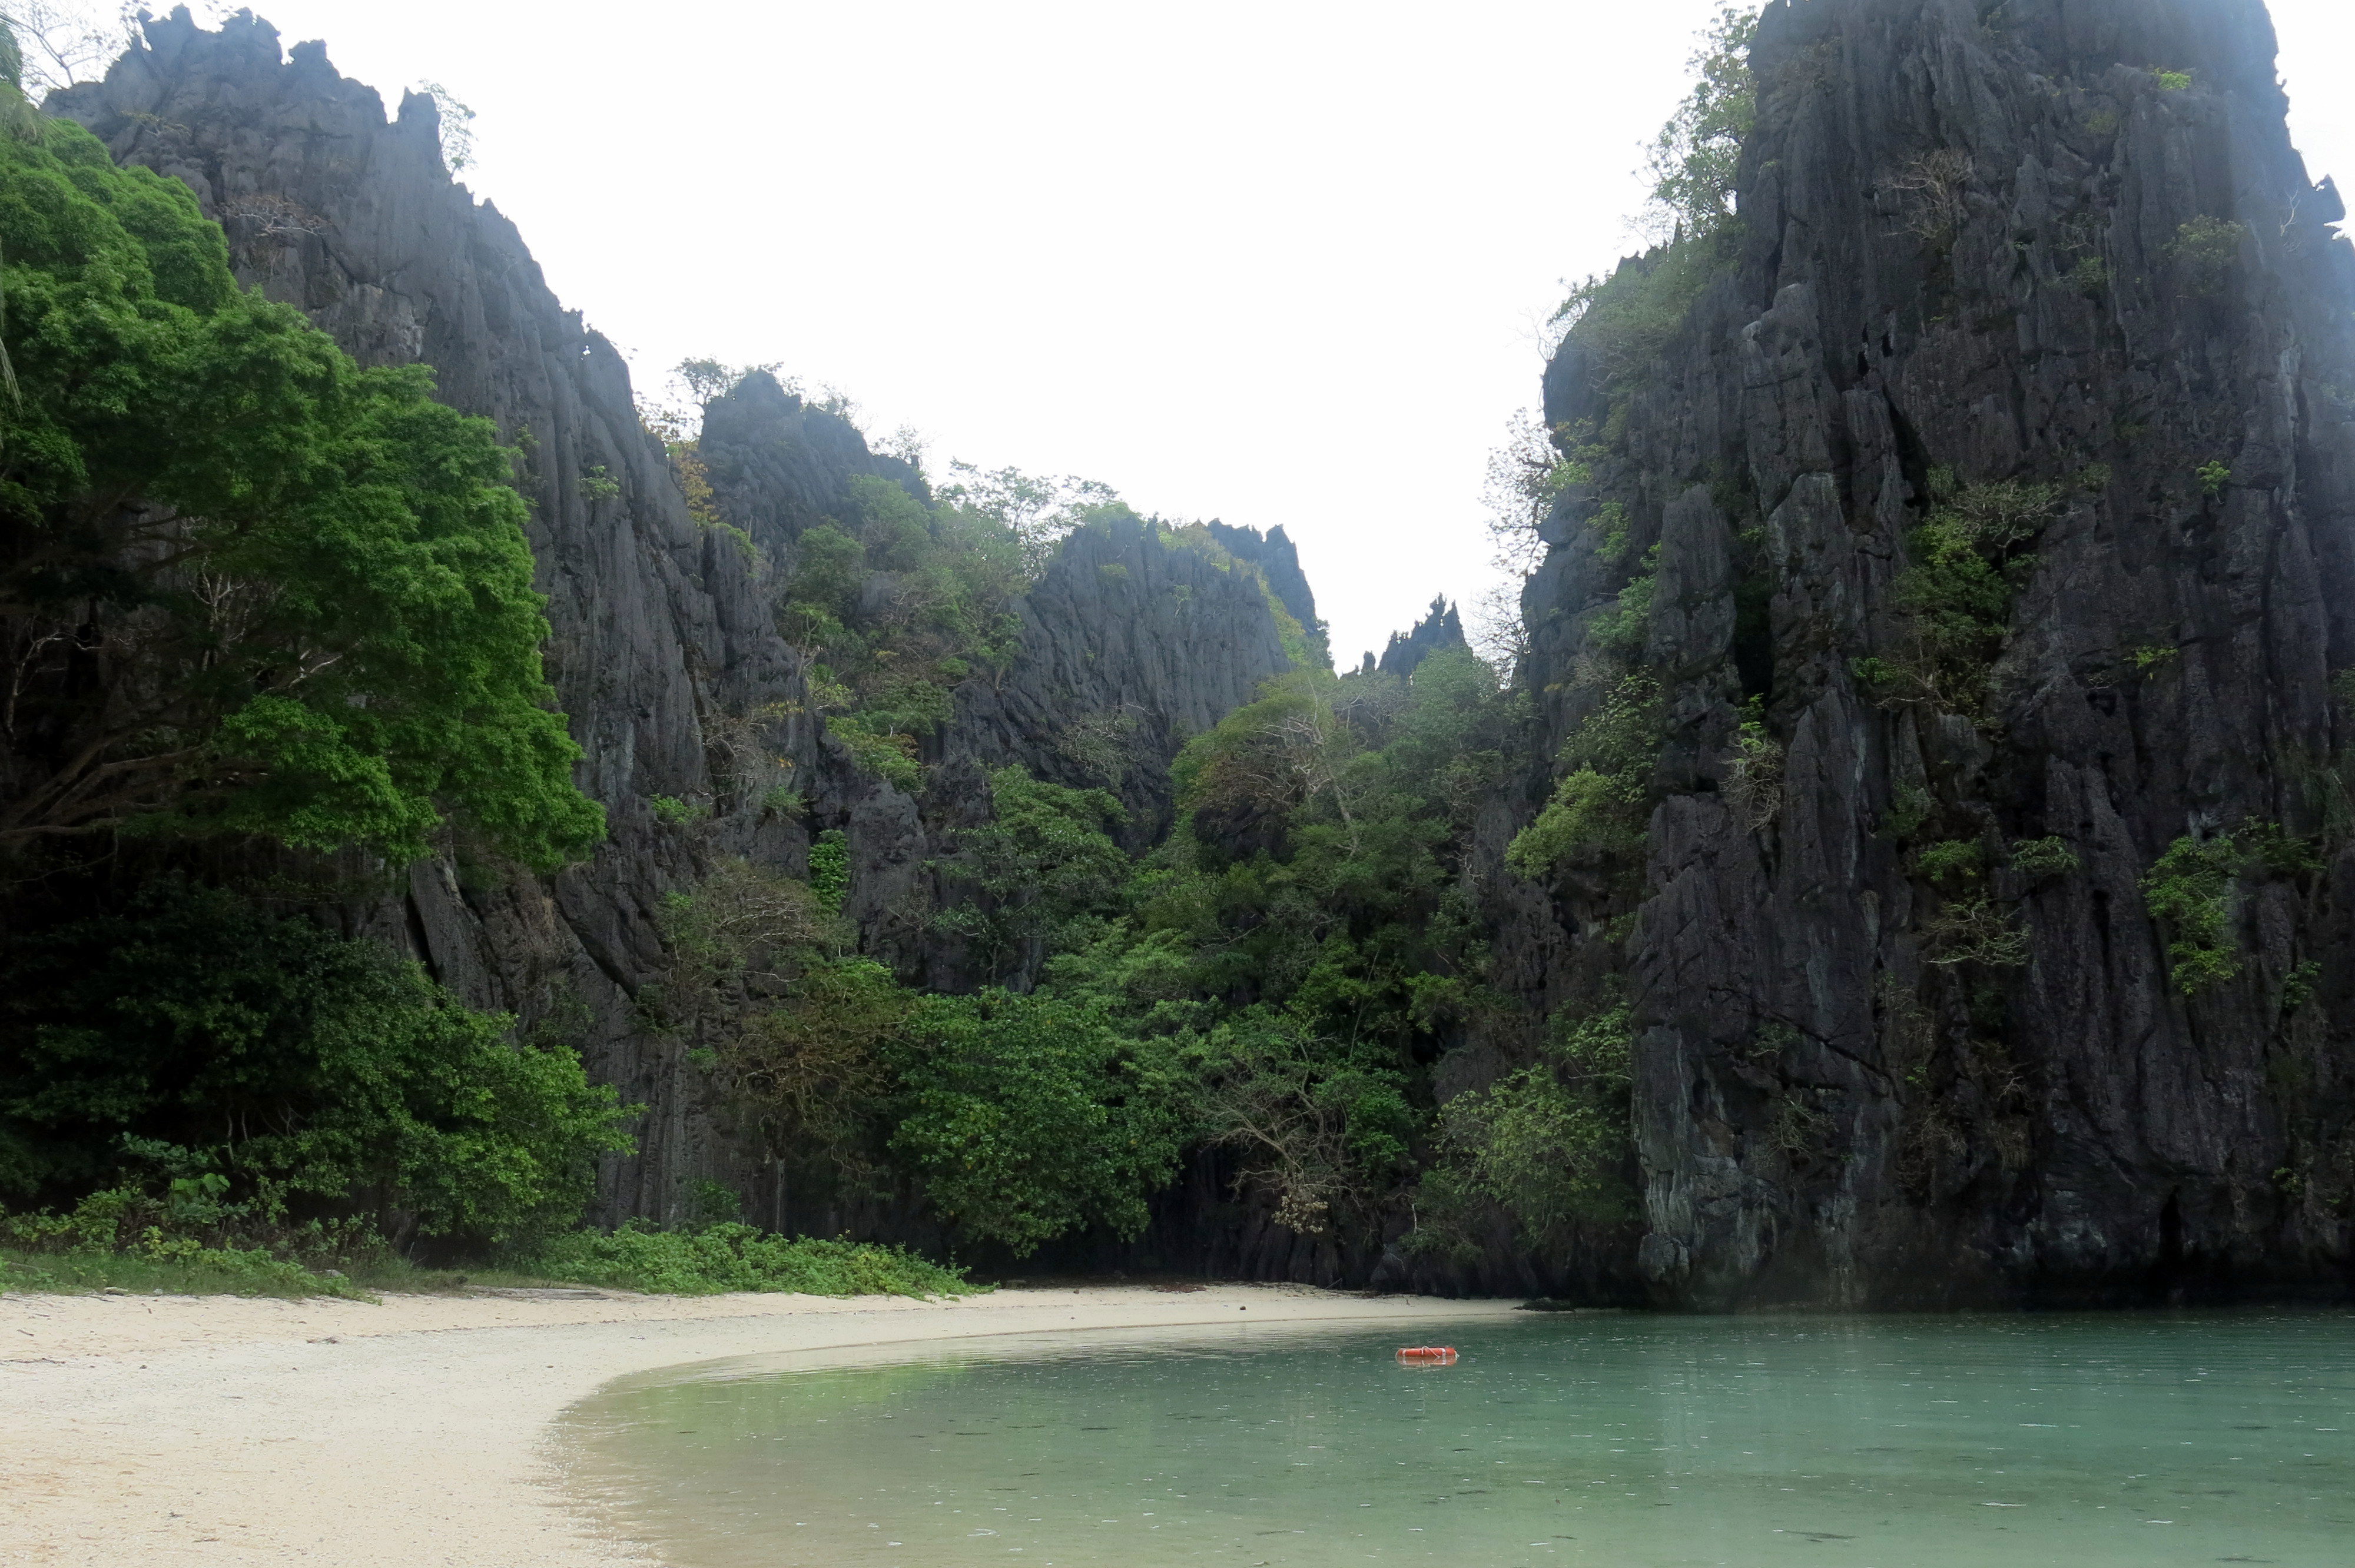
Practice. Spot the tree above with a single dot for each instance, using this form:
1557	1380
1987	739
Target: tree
1693	161
52	46
1028	1117
246	586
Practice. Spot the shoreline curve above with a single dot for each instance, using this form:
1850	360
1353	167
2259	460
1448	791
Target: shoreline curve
414	1432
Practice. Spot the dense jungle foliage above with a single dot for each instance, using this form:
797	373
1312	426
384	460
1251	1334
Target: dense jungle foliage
1275	980
249	588
250	595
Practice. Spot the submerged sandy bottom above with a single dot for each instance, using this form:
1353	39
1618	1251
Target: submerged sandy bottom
414	1433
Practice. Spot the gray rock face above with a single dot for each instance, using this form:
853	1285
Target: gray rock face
1132	643
1441	627
1994	241
664	652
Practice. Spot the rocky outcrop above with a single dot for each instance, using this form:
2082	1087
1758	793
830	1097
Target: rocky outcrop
1278	562
665	653
1133	643
1441	628
2067	247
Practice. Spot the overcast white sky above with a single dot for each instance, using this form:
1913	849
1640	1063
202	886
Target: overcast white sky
1277	262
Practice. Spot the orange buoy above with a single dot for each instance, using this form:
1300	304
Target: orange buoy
1428	1355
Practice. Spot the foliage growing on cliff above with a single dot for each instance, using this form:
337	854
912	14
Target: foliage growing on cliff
1693	161
2189	890
1041	862
1304	940
194	1036
247	587
1546	1145
895	603
1598	809
1969	558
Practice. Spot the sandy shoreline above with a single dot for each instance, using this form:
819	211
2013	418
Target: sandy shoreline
217	1431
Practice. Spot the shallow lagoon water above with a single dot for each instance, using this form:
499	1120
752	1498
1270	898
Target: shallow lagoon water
1608	1441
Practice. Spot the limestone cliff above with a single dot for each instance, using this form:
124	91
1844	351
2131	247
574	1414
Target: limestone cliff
665	654
1912	1032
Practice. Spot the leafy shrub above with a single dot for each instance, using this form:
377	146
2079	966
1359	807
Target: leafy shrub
889	754
2213	477
672	812
829	869
2038	859
1028	1117
1624	627
820	1058
1955	860
1956	597
706	1260
1976	929
895	603
1597	809
301	1067
1043	859
2188	891
1693	161
1547	1145
1538	1149
2207	249
2173	80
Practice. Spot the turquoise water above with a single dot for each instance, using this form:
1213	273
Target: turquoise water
1631	1442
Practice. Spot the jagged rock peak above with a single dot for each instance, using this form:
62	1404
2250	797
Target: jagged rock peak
1442	627
1278	562
2048	279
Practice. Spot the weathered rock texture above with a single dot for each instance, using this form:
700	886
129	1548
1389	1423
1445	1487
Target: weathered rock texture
1441	627
665	651
1963	245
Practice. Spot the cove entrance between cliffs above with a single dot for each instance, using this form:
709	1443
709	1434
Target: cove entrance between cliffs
1609	1441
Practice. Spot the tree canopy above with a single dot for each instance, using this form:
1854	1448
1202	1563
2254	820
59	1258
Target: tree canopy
246	586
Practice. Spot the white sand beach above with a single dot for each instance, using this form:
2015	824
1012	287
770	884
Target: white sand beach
170	1430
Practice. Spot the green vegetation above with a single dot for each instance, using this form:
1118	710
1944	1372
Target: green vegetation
674	813
1028	1117
2207	249
1968	559
2090	276
1622	322
2040	858
2190	892
1547	1145
125	1239
198	1046
324	581
707	1259
1955	860
1043	862
2213	477
2173	80
1598	810
1693	161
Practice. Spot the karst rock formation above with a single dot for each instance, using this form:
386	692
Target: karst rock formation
666	653
2037	289
2063	246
